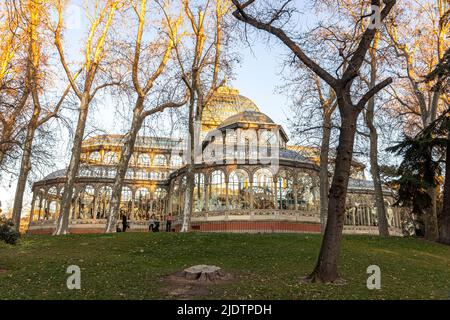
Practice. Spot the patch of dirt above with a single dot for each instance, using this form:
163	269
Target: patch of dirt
3	271
431	255
386	251
181	285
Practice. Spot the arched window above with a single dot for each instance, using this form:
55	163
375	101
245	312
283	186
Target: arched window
95	157
126	200
104	199
111	172
53	192
199	192
238	190
142	203
217	199
176	161
142	194
305	192
111	157
160	193
86	203
129	174
126	194
160	202
160	160
141	174
263	189
263	178
134	159
144	160
53	210
285	195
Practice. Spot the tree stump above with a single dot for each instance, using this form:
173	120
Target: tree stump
204	273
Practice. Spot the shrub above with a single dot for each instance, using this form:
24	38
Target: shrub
7	232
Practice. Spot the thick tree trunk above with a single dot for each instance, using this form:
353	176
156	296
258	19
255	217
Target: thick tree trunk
326	269
62	225
188	199
190	176
444	219
323	174
383	227
430	217
25	168
122	167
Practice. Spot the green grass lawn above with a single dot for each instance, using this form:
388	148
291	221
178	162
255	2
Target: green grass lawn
266	266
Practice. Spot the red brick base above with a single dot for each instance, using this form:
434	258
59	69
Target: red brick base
41	231
254	226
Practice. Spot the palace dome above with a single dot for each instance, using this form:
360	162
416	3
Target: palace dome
226	102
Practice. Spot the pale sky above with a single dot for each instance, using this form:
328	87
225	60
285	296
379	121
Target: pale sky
257	77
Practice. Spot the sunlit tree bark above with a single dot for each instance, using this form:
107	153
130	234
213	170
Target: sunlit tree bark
95	52
139	112
206	52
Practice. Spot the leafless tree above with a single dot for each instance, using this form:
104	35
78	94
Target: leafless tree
204	67
101	19
272	18
170	38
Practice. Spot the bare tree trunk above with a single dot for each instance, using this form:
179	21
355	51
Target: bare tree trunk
189	193
25	168
430	216
444	219
72	172
125	156
323	174
326	269
188	200
383	227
